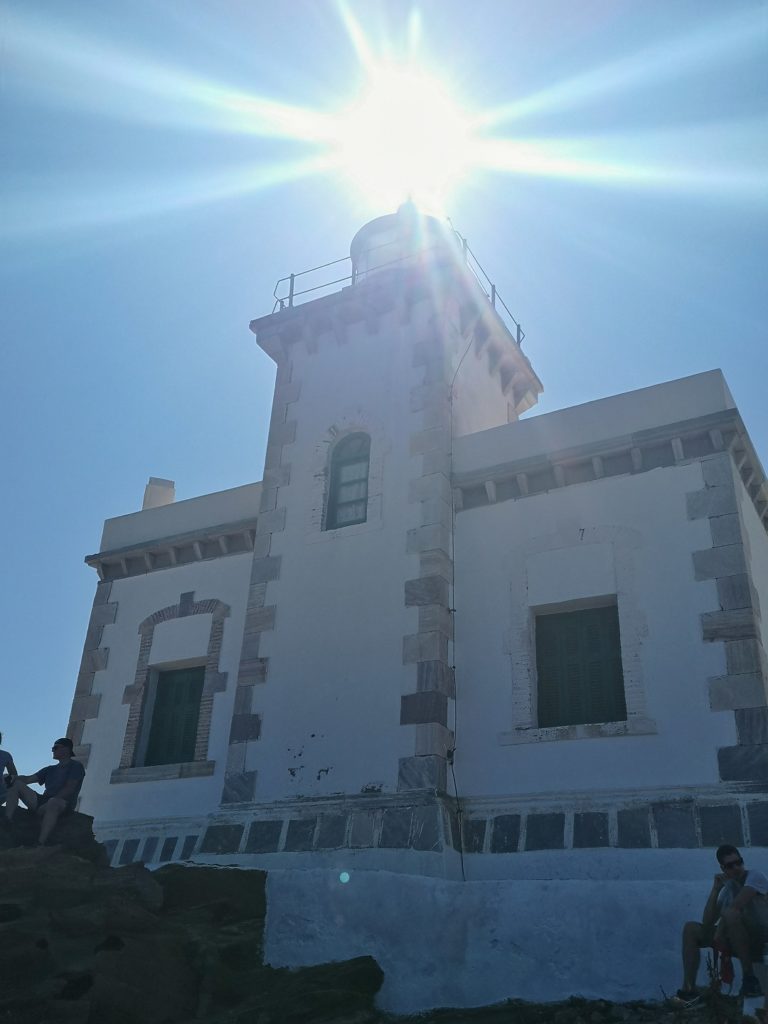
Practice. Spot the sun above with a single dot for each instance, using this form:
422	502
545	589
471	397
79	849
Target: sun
405	137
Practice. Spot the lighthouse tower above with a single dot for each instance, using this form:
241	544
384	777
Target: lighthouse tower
345	684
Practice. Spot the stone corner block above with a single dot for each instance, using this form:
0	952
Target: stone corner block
425	647
435	537
426	590
421	708
245	728
433	738
215	682
97	659
271	522
746	656
264	570
711	563
737	592
424	772
717	470
727	693
84	707
239	788
735	624
712	501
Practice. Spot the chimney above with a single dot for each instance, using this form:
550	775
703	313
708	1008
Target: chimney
158	492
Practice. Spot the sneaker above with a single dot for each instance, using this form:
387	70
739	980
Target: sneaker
687	997
750	987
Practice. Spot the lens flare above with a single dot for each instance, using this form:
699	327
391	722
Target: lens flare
405	137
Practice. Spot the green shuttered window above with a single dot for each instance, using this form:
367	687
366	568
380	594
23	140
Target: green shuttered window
173	731
578	661
348	493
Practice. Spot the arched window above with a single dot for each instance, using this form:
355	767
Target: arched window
348	492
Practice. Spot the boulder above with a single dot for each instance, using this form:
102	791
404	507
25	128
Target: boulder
73	833
82	941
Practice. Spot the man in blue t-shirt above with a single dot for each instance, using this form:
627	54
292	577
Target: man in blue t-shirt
61	784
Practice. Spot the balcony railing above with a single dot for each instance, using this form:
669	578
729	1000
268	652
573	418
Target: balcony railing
296	288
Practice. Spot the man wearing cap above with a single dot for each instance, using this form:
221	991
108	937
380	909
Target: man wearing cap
61	784
735	915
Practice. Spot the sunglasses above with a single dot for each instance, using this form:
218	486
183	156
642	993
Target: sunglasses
728	864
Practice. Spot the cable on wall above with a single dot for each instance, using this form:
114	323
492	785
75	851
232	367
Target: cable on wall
452	752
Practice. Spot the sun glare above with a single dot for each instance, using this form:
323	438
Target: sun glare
404	137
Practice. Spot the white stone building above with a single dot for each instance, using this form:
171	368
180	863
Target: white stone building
507	676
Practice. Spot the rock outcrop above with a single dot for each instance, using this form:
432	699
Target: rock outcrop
80	941
83	942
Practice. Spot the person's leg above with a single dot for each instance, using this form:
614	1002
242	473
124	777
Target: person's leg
739	939
693	939
19	790
49	813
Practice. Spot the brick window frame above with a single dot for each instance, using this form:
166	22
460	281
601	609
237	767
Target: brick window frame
319	492
136	694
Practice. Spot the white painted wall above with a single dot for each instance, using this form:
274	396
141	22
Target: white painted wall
208	510
478	401
331	704
617	416
608	927
174	642
330	708
628	535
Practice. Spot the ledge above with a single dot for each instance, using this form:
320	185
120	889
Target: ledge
599	730
161	772
667	445
181	549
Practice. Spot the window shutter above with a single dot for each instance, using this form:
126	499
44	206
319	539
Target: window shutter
578	660
173	730
551	670
348	490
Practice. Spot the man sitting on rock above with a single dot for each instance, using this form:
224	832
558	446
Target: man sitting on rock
735	917
61	782
6	765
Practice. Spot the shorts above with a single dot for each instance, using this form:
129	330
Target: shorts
43	799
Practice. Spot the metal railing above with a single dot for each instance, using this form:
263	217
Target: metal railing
296	289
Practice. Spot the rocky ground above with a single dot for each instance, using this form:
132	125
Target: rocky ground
83	942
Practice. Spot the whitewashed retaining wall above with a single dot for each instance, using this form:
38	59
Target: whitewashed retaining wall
602	924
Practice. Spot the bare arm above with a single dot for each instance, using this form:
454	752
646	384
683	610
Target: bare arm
710	909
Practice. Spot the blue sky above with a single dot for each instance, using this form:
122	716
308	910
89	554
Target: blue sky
142	227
